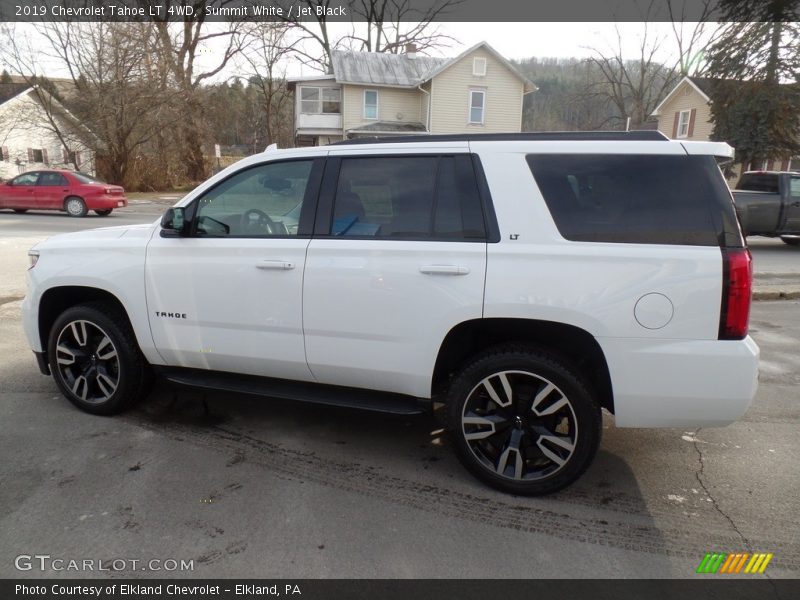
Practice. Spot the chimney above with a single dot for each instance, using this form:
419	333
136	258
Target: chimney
411	50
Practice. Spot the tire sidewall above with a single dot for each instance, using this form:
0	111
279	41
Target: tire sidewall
543	364
125	357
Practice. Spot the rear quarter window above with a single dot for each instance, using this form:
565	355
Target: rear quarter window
646	199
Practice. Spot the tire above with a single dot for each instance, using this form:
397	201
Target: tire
791	241
75	207
104	212
524	447
20	211
95	359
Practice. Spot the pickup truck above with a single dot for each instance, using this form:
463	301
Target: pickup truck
768	204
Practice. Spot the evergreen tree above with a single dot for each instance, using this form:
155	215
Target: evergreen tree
756	60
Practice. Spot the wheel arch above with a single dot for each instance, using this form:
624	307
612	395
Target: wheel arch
471	337
56	300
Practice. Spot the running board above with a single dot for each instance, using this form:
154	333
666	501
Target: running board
383	402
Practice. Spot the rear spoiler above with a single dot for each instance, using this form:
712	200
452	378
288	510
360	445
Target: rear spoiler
718	149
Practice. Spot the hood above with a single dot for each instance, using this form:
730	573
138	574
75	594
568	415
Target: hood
100	237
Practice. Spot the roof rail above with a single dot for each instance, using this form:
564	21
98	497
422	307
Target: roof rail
601	136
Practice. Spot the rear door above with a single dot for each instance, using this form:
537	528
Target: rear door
398	258
51	189
793	205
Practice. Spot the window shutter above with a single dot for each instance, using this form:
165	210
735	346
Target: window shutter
691	122
30	154
44	156
675	125
77	159
5	153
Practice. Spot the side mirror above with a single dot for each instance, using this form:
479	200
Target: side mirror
173	221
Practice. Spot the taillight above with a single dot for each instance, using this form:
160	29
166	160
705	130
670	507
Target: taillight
737	290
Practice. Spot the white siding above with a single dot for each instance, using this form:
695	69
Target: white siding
23	125
687	98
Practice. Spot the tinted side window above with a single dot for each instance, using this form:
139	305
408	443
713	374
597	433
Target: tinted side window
408	197
261	201
755	182
52	179
654	199
26	179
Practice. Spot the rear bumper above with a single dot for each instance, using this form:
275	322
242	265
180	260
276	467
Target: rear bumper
106	202
679	383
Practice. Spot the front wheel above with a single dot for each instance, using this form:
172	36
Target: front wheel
523	420
75	207
95	359
104	212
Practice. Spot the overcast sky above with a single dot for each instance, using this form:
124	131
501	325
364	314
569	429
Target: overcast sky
512	40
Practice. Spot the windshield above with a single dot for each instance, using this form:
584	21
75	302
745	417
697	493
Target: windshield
84	178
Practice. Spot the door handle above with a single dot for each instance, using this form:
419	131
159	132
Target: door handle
444	270
280	265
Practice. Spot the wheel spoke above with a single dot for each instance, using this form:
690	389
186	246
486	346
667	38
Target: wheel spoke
556	440
490	421
81	387
512	449
106	384
79	332
554	407
64	355
507	392
105	349
543	393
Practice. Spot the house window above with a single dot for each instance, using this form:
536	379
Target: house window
370	104
477	101
320	100
683	123
479	66
37	155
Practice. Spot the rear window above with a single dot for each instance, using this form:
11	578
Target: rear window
648	199
84	178
759	182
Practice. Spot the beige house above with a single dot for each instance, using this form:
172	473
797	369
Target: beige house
380	94
685	113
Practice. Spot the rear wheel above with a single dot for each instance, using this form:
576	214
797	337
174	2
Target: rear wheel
103	213
75	207
20	211
791	241
523	420
95	359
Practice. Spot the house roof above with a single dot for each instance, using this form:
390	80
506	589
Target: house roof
400	70
11	90
380	68
388	127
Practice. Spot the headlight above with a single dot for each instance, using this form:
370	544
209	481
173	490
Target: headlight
33	257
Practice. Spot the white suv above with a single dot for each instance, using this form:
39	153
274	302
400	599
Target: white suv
525	281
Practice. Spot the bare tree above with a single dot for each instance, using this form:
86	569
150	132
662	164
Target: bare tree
692	39
179	46
272	44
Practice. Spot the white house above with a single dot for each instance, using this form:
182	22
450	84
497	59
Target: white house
37	136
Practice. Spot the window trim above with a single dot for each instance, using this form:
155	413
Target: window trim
476	60
681	113
470	107
320	101
377	106
307	213
330	184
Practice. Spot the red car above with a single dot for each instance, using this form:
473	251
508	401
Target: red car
75	193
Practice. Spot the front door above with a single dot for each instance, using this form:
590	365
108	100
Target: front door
400	262
22	191
228	296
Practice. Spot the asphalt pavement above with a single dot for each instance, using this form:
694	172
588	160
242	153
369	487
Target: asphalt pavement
245	487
